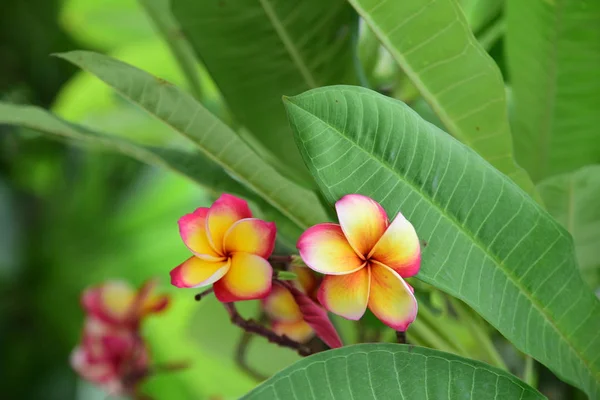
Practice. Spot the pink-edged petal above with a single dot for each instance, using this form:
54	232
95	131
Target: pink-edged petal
149	301
224	212
110	302
196	272
399	248
192	228
248	278
297	330
346	295
280	305
250	235
363	221
391	299
324	248
315	316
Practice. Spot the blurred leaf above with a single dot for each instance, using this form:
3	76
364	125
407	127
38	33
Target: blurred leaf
526	285
10	236
257	51
553	54
391	371
208	134
573	200
106	24
86	100
480	13
160	13
192	164
433	44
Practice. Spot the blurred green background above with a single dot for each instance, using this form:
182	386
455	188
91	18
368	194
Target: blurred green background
71	217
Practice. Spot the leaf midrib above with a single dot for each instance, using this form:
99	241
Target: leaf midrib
466	232
288	44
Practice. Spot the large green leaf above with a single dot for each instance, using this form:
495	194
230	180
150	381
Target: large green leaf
391	371
553	54
572	199
192	164
258	50
488	242
432	42
206	132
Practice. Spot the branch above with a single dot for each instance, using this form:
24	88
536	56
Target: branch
251	326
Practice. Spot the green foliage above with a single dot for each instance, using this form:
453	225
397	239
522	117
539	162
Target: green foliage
433	44
71	217
488	243
553	50
573	200
391	371
207	133
294	46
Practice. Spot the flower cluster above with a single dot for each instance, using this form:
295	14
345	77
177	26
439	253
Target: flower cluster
364	258
112	354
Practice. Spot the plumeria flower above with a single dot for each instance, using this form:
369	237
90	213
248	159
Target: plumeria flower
230	251
118	303
364	259
112	357
283	311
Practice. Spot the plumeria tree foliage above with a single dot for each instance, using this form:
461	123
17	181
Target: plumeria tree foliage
365	188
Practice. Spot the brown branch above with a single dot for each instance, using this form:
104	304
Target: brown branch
201	295
251	326
401	337
280	259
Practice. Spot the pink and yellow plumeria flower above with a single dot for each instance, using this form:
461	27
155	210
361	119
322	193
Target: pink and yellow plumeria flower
230	251
283	311
118	303
364	259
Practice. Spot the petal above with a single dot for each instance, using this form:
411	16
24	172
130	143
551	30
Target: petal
297	330
192	228
196	272
391	300
324	248
110	301
280	305
346	295
224	212
250	235
149	301
363	221
306	281
399	248
248	278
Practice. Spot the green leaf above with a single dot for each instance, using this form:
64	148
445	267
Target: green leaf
258	50
553	54
573	200
207	133
391	371
160	13
488	242
192	165
433	44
